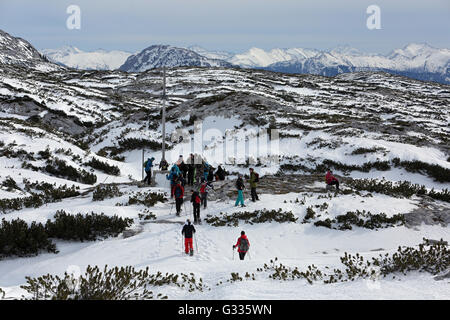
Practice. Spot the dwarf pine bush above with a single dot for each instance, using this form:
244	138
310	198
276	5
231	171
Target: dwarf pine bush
88	227
102	192
433	259
148	199
61	169
258	216
124	283
104	167
19	239
41	193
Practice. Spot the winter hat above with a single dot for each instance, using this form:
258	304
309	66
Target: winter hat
242	233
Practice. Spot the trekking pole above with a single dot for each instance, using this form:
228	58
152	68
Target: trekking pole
170	211
233	253
249	255
196	246
182	246
185	210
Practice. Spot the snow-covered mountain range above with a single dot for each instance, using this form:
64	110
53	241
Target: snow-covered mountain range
419	61
92	60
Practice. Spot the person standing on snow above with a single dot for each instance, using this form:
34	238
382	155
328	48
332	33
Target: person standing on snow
331	180
188	233
173	177
148	170
196	201
191	170
240	188
163	165
179	194
243	245
254	178
204	189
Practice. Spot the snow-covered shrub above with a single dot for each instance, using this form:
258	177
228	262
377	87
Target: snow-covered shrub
148	199
396	189
85	227
10	184
258	216
361	219
363	150
104	167
310	214
19	239
124	283
104	191
433	258
61	169
435	171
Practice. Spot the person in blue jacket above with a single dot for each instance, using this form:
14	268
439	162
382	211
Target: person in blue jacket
173	176
148	170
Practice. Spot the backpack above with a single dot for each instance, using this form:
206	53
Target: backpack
197	199
178	191
243	245
256	177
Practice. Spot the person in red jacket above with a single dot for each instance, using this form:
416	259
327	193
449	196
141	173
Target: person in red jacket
243	245
331	180
179	194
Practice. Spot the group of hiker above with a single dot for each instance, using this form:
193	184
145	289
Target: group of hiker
199	174
188	231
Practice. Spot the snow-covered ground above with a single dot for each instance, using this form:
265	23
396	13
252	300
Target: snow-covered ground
159	246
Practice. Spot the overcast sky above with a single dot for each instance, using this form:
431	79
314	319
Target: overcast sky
232	25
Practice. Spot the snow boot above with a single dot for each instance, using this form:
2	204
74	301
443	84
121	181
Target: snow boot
191	253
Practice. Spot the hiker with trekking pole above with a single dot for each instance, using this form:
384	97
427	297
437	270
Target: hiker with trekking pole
196	201
188	233
243	245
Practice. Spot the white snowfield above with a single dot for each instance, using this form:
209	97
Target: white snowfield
159	246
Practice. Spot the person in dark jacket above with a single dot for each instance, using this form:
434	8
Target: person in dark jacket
243	245
211	174
148	170
196	201
188	232
190	170
220	173
163	165
240	188
179	194
252	180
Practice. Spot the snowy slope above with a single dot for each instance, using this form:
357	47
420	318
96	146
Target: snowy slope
19	52
92	60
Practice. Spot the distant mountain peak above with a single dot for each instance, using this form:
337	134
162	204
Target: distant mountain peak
160	55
